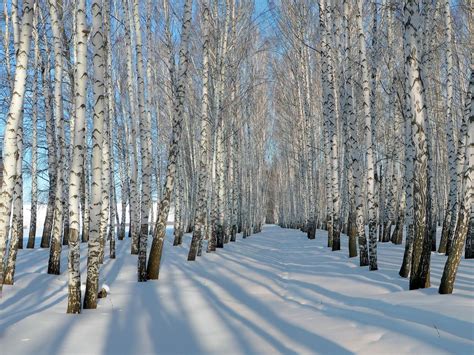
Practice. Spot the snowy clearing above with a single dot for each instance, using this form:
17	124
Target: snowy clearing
276	292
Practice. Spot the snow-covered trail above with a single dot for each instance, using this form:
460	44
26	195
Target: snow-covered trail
275	292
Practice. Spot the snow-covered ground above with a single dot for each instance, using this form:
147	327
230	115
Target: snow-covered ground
275	292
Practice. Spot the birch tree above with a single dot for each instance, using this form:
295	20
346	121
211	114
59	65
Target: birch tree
34	136
153	267
466	211
368	142
450	215
145	144
97	39
419	276
13	123
77	166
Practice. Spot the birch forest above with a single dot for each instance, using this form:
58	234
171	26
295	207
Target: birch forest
236	176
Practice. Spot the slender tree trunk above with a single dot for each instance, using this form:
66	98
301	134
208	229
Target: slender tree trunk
6	43
134	228
145	144
11	127
408	189
154	260
85	193
419	276
465	221
179	204
51	139
97	36
77	166
351	132
450	214
54	266
368	143
34	139
17	220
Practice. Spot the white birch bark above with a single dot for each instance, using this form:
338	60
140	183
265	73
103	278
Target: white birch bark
15	25
134	198
109	80
106	138
11	127
34	137
145	144
465	220
368	142
54	266
450	214
85	195
6	43
17	220
77	165
52	146
153	266
334	117
419	276
326	75
97	37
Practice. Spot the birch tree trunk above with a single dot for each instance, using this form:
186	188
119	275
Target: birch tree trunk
124	173
426	63
156	251
469	184
85	195
51	139
77	166
334	118
350	122
17	220
105	173
54	266
407	204
466	211
114	220
326	76
15	24
34	138
6	43
145	145
368	143
97	36
419	276
16	241
202	196
106	132
450	214
179	203
134	197
10	150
